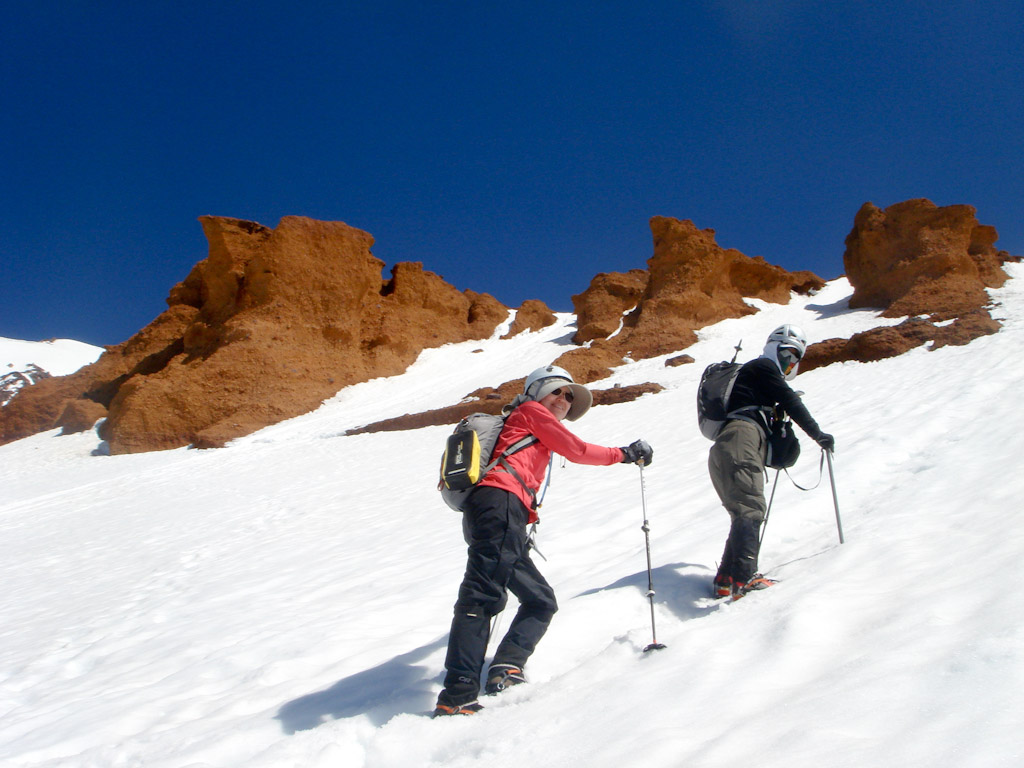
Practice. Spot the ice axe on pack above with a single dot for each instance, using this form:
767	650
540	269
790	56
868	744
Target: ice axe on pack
654	645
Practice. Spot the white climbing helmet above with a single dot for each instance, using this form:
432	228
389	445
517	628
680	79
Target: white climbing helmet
785	347
543	381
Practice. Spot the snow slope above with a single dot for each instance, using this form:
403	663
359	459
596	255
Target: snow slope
285	601
58	357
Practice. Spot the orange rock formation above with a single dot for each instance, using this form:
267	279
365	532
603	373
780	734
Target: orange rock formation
269	325
274	321
917	260
690	282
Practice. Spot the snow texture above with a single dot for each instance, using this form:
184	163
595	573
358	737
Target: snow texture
58	357
285	601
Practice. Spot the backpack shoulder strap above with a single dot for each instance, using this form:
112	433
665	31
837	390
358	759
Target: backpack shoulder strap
518	445
728	387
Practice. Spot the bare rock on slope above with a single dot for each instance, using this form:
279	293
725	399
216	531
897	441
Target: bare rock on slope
917	260
690	282
269	325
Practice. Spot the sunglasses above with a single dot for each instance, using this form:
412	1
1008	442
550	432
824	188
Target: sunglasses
562	392
789	358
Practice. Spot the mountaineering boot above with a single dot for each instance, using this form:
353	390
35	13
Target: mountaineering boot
757	581
502	676
721	587
446	710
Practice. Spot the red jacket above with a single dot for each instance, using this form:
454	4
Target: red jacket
532	418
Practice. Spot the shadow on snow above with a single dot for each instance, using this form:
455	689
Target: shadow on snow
402	685
394	687
687	594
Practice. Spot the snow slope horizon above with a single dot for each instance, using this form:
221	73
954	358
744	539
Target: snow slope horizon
58	357
285	600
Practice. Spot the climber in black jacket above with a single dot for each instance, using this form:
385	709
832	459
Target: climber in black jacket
737	459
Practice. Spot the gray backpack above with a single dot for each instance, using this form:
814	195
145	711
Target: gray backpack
467	457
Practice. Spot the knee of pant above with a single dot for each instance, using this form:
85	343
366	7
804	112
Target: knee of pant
543	608
478	589
487	610
749	515
745	525
554	605
534	613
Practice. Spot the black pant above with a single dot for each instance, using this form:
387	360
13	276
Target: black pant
494	526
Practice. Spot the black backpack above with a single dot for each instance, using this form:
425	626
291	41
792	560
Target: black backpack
713	395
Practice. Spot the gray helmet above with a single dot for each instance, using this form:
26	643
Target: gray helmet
543	381
785	347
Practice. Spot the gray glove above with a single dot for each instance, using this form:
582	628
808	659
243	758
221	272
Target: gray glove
638	452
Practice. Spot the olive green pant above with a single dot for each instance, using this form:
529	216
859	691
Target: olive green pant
736	465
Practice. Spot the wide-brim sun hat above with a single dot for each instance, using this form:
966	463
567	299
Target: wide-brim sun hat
544	381
581	397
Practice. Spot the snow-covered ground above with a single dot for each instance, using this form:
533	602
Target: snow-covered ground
58	357
23	363
285	601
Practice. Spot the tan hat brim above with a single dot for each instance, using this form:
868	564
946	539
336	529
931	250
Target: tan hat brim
581	397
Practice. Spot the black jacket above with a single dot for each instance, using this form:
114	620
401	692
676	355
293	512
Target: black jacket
761	383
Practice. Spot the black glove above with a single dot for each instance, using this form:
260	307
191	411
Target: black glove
826	441
637	452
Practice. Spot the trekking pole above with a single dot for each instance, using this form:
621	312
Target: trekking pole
769	510
654	645
494	628
835	498
531	541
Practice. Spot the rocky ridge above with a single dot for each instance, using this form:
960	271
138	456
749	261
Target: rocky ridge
274	321
266	327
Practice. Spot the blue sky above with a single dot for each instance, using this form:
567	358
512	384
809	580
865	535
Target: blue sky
515	148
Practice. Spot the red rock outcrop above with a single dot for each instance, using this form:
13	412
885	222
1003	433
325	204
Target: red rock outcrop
690	282
533	315
491	400
14	381
890	341
917	258
274	321
37	407
269	325
601	309
80	416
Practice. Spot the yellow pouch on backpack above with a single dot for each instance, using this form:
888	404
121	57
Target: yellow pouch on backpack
460	464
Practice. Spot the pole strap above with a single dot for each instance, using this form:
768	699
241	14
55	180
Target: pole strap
821	474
